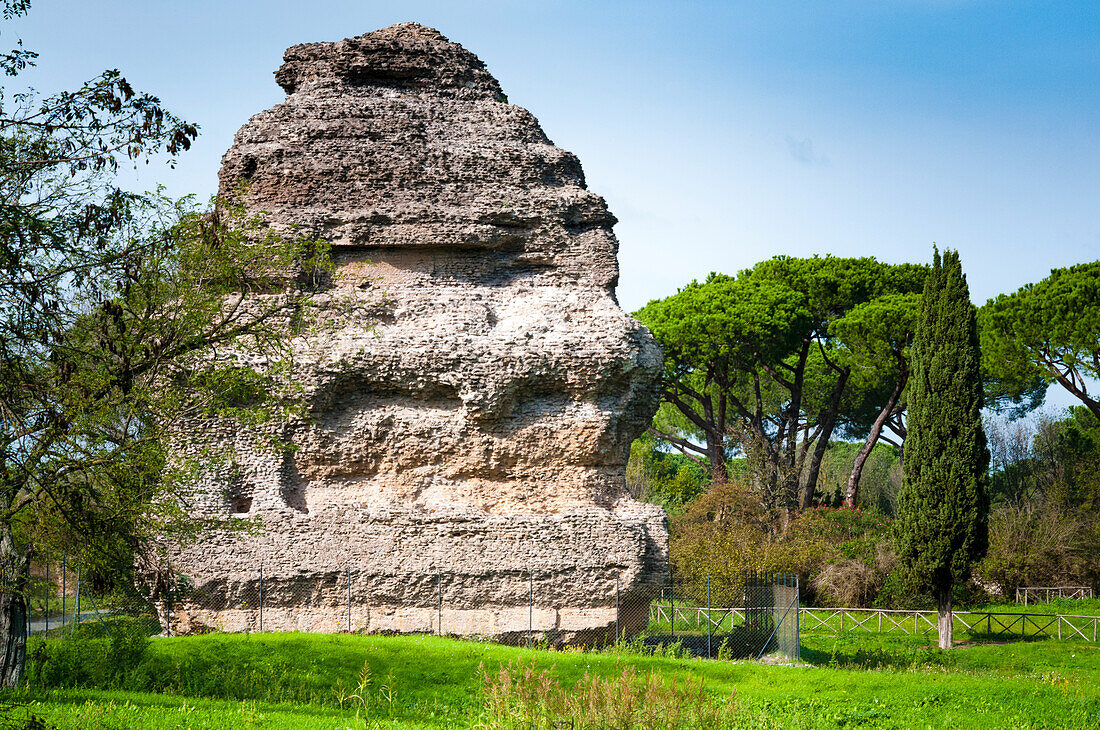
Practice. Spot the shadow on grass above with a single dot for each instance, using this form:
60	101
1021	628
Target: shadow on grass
992	637
848	657
24	697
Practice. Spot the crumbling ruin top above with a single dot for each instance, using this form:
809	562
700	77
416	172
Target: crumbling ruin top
406	56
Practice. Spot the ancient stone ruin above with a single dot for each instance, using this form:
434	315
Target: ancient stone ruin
470	422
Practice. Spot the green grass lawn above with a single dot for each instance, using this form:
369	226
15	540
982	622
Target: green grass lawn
1077	607
313	681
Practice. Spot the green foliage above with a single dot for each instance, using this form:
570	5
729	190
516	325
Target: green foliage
876	329
662	477
943	508
853	533
1045	528
104	655
754	363
1045	333
880	480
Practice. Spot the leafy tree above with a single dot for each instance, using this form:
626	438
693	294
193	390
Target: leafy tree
880	478
1045	333
662	477
878	334
710	332
942	525
1045	485
121	317
751	364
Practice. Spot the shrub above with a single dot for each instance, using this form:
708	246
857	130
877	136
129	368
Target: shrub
854	582
1036	546
725	533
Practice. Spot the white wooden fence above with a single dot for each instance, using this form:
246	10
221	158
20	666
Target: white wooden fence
983	625
1036	594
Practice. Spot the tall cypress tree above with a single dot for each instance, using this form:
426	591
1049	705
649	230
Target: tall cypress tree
942	526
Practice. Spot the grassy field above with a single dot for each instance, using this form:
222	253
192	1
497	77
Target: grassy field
323	681
1080	607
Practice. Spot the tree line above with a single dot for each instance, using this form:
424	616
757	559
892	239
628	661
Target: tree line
770	367
769	371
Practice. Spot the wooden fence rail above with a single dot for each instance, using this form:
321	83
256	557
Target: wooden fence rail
694	615
980	624
1037	594
987	625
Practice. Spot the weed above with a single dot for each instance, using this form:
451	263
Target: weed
520	695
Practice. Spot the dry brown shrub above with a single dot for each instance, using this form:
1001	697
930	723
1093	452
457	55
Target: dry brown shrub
855	583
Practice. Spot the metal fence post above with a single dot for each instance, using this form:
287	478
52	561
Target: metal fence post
671	604
99	615
64	586
261	605
797	616
708	617
531	610
47	597
617	608
28	597
76	603
347	568
439	604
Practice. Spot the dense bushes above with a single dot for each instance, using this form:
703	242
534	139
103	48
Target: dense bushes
1045	487
1044	526
1038	546
726	532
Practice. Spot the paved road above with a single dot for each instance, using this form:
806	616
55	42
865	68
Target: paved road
55	621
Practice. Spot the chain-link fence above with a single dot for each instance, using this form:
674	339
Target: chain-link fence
753	615
749	617
63	600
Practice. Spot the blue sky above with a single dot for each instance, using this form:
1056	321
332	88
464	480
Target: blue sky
721	133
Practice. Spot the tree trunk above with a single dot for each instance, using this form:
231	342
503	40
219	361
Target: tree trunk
828	421
791	479
943	606
14	576
716	457
872	438
1070	384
